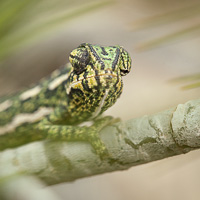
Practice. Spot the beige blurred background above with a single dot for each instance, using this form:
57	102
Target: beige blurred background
158	53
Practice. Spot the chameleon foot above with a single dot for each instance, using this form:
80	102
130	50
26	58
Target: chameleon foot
93	135
77	133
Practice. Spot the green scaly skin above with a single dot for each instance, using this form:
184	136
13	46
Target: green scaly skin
78	92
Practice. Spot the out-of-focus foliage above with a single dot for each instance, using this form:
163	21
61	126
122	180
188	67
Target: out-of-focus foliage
25	20
188	14
192	80
187	19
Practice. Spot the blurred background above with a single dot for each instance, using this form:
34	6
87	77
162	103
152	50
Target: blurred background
163	39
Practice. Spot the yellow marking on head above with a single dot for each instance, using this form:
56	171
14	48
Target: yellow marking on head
92	82
77	85
81	77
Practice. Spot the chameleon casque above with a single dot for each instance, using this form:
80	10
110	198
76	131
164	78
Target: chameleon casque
78	92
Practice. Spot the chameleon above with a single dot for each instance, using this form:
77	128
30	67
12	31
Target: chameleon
54	108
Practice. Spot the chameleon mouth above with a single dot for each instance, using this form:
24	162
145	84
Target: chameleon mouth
107	76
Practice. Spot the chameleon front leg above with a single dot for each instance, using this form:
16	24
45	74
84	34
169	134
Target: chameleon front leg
62	132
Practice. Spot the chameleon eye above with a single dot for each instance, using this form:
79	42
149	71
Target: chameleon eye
79	58
124	62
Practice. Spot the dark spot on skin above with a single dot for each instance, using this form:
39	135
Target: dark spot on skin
104	51
116	59
106	58
85	85
77	100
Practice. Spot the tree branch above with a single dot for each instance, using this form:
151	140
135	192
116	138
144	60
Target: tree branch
134	142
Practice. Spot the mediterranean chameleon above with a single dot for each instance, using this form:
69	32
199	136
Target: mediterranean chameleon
78	92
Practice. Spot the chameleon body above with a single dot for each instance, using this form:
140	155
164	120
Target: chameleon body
78	92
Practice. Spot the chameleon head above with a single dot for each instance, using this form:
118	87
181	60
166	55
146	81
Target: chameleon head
95	80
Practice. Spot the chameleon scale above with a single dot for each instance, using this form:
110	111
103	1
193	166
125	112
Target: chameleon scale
78	92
